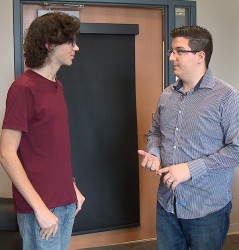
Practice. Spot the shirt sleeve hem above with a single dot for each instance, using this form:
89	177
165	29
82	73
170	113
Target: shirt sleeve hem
197	168
154	151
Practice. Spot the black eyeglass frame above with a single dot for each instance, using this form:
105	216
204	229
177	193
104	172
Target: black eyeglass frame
170	51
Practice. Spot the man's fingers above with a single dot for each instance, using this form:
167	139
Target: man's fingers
166	178
43	232
78	209
50	232
174	184
55	230
141	152
153	166
79	206
145	160
164	170
149	161
46	233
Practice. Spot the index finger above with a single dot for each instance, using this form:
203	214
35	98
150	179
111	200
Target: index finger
163	170
49	233
55	229
141	152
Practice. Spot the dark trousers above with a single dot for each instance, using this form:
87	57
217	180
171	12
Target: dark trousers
206	233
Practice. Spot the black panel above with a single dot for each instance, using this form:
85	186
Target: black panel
108	28
100	94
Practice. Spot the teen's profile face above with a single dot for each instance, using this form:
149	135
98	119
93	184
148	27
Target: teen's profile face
64	54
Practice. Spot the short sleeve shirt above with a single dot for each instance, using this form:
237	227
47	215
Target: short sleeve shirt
36	107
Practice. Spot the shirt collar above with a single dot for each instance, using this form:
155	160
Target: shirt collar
206	82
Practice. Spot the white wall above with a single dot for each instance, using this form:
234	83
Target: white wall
6	73
221	18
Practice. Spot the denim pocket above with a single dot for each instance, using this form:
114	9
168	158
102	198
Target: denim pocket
228	207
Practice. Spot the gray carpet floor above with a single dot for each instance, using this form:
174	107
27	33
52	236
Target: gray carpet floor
231	243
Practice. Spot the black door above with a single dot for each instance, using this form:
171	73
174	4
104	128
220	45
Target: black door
100	93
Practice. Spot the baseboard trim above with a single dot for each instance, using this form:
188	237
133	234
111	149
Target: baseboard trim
133	242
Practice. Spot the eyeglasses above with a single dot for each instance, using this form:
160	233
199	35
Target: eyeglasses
179	52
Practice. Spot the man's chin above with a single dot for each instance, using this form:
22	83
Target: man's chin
176	73
68	64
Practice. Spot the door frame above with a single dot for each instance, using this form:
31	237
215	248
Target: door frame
168	7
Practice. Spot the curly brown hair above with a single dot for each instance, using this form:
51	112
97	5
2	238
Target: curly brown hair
53	29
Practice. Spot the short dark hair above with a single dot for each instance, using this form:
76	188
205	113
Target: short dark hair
199	38
53	29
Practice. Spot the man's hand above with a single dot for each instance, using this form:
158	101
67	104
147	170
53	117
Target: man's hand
175	174
48	223
80	199
149	161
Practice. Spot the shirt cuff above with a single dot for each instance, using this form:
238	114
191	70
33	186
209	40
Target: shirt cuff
197	168
154	151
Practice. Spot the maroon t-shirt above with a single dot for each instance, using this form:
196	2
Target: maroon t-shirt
36	106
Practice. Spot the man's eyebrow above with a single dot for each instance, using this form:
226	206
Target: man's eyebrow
180	47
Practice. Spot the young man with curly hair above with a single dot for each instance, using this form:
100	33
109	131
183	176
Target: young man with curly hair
35	142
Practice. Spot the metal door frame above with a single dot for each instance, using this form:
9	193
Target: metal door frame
168	7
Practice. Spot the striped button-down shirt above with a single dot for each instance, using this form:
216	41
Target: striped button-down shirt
200	128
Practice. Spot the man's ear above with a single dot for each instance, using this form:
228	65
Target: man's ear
49	46
201	56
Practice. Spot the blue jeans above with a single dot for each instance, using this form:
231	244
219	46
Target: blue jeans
30	230
206	233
